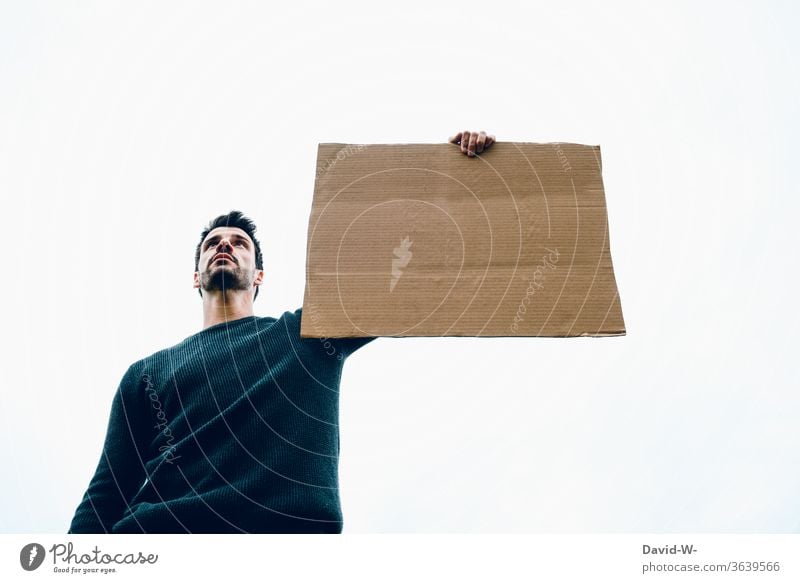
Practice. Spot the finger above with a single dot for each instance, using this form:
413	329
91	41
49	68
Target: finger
455	138
473	140
464	141
489	141
480	142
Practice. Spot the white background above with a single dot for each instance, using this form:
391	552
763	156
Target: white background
125	127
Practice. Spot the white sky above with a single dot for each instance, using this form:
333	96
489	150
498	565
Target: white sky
125	128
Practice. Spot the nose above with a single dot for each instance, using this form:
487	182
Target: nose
224	245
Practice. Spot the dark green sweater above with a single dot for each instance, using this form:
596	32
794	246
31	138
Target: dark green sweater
235	429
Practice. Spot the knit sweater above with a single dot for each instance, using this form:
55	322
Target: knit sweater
233	430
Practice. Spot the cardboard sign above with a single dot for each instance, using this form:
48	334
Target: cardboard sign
421	240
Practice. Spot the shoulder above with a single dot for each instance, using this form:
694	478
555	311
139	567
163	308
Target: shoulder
342	345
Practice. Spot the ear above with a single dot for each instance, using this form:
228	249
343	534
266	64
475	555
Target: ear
196	284
259	277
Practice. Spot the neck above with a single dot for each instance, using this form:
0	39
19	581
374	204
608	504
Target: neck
219	306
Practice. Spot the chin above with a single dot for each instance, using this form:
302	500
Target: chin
219	278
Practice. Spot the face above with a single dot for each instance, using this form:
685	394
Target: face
227	262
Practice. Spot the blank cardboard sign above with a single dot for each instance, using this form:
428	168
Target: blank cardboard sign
421	240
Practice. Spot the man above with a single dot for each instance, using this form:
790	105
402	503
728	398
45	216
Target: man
234	429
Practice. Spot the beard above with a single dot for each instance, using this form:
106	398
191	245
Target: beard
226	279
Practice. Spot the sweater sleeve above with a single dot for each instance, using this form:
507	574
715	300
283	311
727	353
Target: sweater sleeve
346	345
350	345
120	471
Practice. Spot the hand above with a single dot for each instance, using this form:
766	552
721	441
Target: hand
472	142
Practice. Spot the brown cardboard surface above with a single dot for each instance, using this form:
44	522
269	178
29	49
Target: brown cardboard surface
421	240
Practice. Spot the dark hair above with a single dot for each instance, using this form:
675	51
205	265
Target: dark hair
232	219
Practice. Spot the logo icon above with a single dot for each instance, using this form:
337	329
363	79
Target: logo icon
31	556
402	255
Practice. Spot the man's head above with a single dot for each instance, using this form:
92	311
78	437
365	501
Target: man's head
228	256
